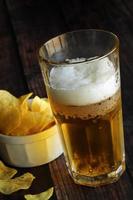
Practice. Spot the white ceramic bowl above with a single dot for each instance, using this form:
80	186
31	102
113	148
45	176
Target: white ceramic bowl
32	150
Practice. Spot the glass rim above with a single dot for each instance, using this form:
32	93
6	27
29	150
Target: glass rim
113	49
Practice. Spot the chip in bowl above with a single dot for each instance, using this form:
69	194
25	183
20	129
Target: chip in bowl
24	116
10	115
28	134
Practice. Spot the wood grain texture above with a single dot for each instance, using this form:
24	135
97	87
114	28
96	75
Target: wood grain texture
33	23
11	71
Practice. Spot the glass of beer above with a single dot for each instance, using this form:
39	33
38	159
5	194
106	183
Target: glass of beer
82	78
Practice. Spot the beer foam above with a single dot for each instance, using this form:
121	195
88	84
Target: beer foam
84	83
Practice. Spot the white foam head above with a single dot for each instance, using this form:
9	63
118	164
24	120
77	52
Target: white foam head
83	83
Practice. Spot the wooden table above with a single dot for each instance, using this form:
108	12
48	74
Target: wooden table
24	26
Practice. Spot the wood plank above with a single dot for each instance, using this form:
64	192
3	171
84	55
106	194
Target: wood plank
34	23
11	77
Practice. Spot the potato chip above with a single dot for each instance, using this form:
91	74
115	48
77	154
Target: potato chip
6	172
42	196
9	186
46	117
23	116
33	122
10	115
24	102
46	121
27	125
38	104
35	118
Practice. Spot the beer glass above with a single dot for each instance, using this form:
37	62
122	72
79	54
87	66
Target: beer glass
82	78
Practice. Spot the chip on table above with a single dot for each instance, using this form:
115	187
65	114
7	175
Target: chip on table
42	196
8	184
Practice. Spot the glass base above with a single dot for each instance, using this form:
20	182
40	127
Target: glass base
98	180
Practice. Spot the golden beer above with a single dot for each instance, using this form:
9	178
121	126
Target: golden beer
92	136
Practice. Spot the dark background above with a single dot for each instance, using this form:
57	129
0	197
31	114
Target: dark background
24	26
